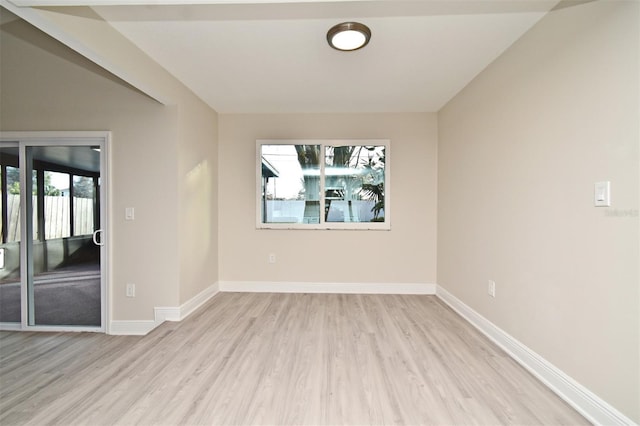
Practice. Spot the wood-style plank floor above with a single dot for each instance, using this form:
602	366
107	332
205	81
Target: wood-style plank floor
278	359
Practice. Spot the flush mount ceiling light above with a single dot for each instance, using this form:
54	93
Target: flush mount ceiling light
348	36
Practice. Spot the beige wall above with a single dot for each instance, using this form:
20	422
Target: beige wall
519	151
155	150
406	254
197	194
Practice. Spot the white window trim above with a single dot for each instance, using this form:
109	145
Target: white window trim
382	226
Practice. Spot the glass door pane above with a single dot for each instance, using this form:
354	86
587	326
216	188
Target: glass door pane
64	280
10	300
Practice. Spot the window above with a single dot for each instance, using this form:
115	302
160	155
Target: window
57	205
69	200
311	184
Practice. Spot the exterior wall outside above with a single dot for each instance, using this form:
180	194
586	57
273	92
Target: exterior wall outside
520	149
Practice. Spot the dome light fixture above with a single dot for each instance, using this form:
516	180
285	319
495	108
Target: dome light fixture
348	36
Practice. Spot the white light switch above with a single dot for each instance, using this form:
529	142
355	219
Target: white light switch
129	213
131	290
602	194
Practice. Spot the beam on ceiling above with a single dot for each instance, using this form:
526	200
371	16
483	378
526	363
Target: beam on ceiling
89	35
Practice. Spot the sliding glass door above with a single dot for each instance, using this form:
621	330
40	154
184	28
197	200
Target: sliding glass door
57	259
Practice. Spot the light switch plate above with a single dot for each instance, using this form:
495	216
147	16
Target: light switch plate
602	194
129	213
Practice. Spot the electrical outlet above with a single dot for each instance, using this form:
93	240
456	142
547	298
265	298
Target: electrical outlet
491	288
272	258
131	290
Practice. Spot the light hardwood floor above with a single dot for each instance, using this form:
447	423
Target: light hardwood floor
277	359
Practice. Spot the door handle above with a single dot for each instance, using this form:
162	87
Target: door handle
95	237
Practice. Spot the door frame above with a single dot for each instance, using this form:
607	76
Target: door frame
81	138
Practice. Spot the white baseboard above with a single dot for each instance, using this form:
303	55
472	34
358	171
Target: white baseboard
166	313
336	288
580	398
178	314
162	314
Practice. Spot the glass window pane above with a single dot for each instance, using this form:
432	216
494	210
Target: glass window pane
354	183
83	202
13	204
56	205
34	203
290	184
10	247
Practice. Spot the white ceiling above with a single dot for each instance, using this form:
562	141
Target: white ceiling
264	56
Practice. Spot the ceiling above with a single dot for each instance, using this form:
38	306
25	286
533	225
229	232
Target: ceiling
268	57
